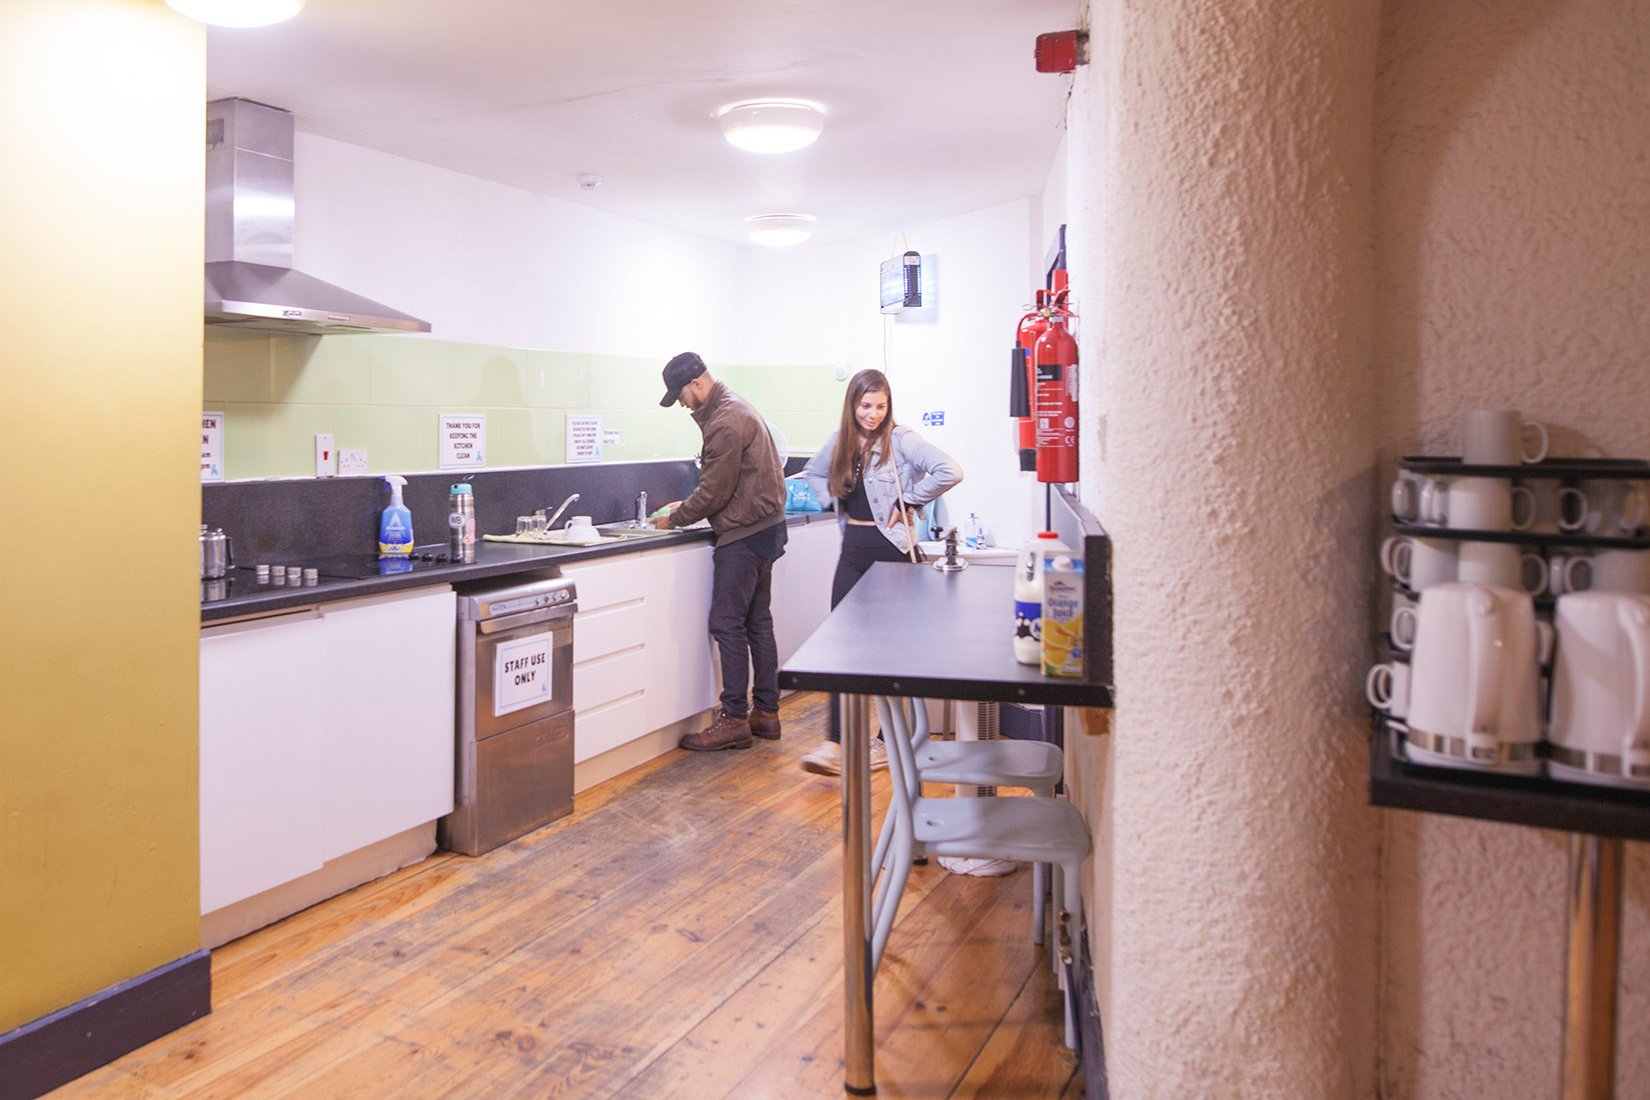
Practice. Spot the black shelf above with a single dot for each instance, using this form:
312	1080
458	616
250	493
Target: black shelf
1562	469
1516	800
1526	538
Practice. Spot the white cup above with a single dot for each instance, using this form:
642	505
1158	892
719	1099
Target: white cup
1501	564
1606	507
1489	504
1387	687
1418	563
1620	571
1568	573
1547	505
1600	730
1501	437
1401	627
581	528
1475	680
1419	499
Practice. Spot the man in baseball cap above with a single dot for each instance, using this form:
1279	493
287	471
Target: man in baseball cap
742	493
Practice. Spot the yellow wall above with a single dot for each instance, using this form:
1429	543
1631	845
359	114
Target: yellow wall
100	354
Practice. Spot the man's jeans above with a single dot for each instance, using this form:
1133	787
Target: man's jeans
741	621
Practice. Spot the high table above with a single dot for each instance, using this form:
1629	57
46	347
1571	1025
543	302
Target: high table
908	631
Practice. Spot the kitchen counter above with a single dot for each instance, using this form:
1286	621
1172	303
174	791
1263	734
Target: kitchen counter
241	595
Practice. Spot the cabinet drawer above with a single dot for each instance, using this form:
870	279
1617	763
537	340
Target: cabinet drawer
608	725
605	583
608	678
598	633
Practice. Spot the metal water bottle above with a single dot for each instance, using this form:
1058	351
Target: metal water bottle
461	524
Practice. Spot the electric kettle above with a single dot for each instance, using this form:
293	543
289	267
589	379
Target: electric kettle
217	553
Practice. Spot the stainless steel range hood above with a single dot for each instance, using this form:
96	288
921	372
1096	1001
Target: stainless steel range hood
250	281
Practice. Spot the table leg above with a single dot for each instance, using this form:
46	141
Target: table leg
859	1075
1594	950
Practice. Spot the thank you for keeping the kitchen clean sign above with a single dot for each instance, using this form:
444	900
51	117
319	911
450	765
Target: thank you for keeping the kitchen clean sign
211	446
463	440
521	674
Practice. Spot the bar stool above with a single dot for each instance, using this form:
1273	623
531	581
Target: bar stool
1035	830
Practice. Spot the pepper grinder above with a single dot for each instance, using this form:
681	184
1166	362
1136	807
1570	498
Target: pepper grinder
951	563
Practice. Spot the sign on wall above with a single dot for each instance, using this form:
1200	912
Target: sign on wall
584	438
463	440
933	419
211	446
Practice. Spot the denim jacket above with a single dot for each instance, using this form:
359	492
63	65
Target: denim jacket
925	472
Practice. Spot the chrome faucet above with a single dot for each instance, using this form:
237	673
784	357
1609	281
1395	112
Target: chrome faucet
641	509
550	524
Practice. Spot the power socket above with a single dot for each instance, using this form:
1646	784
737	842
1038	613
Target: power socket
352	461
326	459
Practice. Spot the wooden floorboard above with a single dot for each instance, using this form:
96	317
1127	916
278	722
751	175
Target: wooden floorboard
678	937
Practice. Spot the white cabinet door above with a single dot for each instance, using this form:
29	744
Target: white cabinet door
802	583
610	635
261	688
387	759
681	662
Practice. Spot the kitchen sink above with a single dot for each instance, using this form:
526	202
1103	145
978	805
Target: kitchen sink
627	529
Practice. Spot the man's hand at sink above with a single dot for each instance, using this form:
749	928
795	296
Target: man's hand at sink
661	518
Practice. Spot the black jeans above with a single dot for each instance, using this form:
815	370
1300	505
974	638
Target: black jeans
741	621
862	547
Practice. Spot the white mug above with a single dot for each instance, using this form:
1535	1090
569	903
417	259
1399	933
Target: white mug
1401	628
1606	507
1568	573
1620	571
1547	505
1489	504
1600	731
1418	563
580	527
1475	680
1500	437
1387	687
1501	564
1418	499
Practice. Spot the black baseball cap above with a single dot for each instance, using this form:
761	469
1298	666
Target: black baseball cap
681	370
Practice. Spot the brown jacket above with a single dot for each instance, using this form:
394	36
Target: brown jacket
741	486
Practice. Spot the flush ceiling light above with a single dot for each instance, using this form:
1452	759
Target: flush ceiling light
237	13
771	125
779	230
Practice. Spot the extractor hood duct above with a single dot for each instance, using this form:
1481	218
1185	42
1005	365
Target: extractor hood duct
250	282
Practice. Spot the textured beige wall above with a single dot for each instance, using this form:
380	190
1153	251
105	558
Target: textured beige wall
101	142
1512	209
1219	201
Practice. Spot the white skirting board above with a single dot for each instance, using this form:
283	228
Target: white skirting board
333	878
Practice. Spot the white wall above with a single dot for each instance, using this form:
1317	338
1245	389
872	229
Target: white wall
489	264
819	304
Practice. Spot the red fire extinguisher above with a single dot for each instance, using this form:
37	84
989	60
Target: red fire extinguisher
1054	395
1032	326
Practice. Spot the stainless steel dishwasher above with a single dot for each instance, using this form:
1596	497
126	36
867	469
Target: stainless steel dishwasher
514	768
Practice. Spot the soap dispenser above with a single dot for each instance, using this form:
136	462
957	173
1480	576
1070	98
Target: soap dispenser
395	532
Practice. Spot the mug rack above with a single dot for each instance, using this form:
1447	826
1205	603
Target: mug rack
1598	818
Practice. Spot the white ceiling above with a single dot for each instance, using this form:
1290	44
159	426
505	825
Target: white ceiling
934	107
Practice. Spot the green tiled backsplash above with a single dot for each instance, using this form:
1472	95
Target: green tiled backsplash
386	393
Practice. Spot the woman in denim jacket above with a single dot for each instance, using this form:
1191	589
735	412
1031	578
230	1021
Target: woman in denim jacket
856	468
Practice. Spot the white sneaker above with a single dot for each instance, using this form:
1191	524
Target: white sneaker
826	758
879	756
962	865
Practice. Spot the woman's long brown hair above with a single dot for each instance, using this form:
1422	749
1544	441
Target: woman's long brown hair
849	433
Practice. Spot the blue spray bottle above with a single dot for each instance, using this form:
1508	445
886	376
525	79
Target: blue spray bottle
395	533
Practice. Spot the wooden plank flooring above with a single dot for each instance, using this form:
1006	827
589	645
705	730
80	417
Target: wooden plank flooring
679	937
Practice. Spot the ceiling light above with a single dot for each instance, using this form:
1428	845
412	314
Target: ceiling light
771	125
779	230
237	13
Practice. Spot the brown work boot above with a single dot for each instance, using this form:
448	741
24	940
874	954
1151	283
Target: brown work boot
765	724
724	732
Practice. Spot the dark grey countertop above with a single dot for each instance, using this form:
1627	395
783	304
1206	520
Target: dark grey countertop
919	632
242	595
